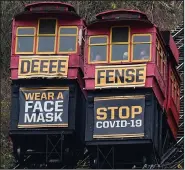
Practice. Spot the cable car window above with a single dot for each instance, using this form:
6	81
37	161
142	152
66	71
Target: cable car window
119	52
25	40
98	49
68	30
47	26
98	40
46	36
119	44
46	44
26	31
142	38
120	34
141	47
68	39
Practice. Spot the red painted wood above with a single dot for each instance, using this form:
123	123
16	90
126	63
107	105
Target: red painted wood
75	61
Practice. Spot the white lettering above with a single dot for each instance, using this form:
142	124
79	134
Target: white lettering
58	117
46	103
49	117
30	118
57	105
40	118
37	107
27	105
97	124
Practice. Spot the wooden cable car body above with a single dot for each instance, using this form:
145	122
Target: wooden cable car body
124	86
47	73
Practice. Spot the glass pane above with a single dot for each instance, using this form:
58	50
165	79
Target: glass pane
25	44
141	52
120	34
67	43
119	52
46	44
47	26
144	38
98	53
25	31
98	40
68	31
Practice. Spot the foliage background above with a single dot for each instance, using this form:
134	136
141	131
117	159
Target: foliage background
165	14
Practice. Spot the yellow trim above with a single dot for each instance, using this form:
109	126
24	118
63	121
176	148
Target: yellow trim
119	97
133	43
16	40
72	35
44	88
119	135
43	125
119	43
120	66
100	44
46	35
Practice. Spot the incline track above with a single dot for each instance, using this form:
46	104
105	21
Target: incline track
174	158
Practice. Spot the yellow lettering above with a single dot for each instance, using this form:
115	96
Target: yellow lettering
50	96
127	110
60	96
135	112
112	111
101	113
29	96
37	96
44	96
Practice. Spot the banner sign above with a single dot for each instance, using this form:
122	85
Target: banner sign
43	66
119	117
43	107
120	76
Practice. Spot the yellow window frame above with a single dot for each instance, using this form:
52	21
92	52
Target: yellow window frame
25	35
46	35
157	43
162	63
172	84
72	35
178	95
133	43
119	43
100	44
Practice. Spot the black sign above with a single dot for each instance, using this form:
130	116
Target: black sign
43	107
119	117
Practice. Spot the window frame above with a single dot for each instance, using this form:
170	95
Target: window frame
73	35
161	59
132	47
100	44
46	35
119	43
25	35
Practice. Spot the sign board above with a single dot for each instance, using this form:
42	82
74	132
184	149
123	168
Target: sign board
119	116
43	66
120	76
43	107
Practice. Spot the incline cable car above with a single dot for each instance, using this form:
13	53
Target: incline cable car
132	90
47	72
